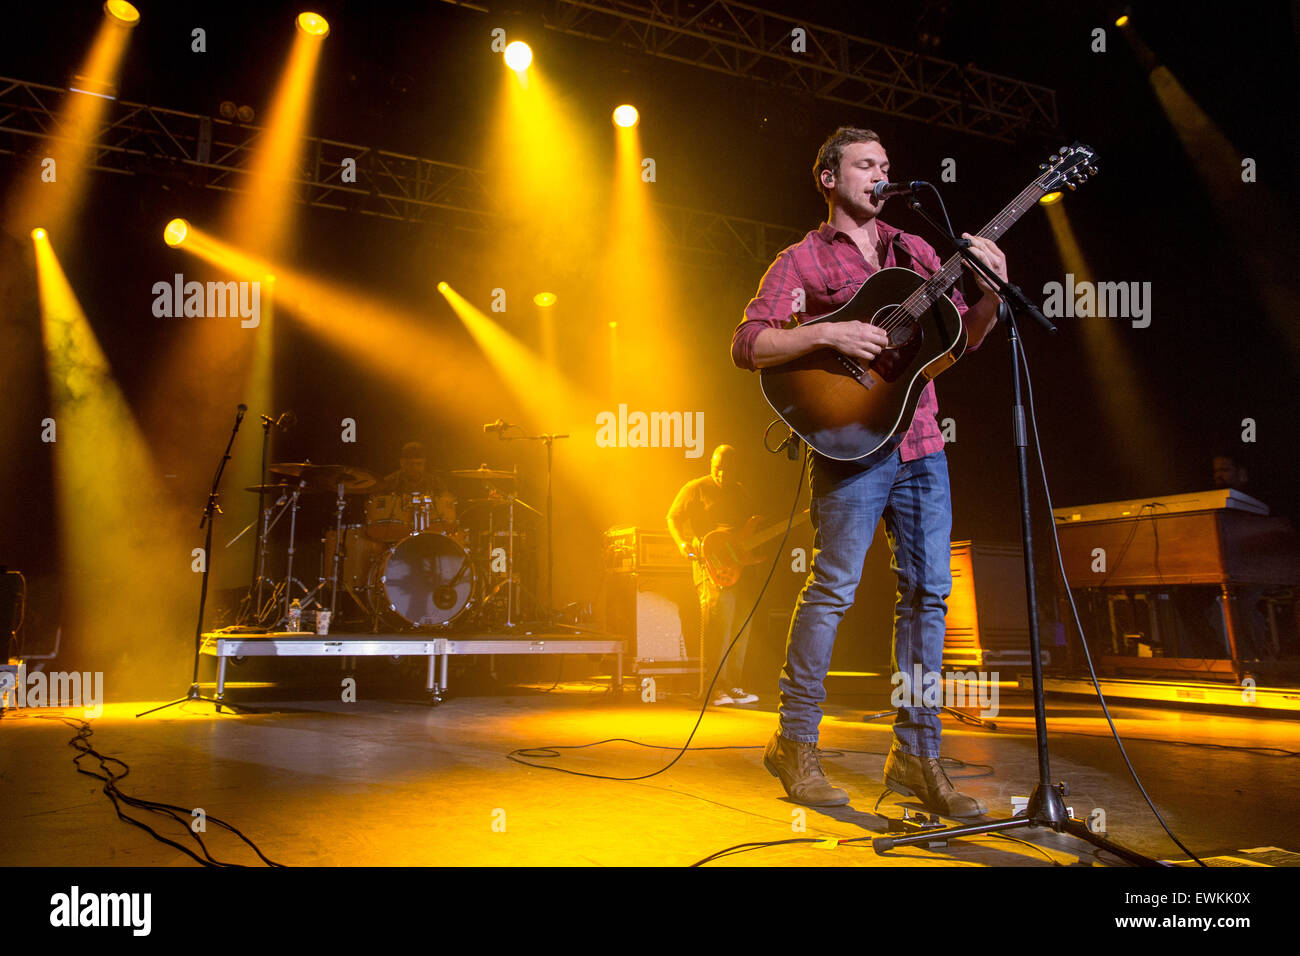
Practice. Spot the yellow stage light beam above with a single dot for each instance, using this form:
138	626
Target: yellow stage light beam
539	164
262	214
1247	208
124	550
390	341
234	364
49	191
626	115
637	287
1116	383
554	401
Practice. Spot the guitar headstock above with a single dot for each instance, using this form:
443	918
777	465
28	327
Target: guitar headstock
1068	168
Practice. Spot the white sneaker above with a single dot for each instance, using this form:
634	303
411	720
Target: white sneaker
722	699
739	696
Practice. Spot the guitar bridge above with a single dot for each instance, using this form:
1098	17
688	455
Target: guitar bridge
860	374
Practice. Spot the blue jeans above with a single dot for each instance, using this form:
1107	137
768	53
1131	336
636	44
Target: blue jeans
847	503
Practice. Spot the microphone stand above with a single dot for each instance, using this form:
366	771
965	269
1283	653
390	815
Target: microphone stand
1047	803
210	511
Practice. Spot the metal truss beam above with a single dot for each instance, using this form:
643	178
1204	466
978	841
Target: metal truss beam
748	42
204	151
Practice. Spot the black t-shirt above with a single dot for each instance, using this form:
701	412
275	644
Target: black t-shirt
399	483
701	506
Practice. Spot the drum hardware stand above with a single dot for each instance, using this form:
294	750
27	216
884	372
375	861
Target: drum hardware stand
549	440
254	603
289	580
338	548
259	564
1046	806
210	512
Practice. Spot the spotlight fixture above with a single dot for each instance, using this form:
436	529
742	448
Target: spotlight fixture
443	287
227	109
175	232
544	299
121	12
38	233
85	84
613	325
245	114
313	24
626	116
1050	198
518	55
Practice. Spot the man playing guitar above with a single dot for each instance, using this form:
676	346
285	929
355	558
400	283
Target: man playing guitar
909	487
717	500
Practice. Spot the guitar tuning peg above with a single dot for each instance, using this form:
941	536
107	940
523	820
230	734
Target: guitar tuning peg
1062	151
1092	170
1042	165
1071	186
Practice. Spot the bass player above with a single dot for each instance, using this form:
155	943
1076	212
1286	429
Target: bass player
713	502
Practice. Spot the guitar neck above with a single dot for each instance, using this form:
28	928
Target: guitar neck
762	537
948	273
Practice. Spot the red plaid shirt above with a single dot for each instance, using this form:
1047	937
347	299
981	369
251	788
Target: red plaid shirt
829	267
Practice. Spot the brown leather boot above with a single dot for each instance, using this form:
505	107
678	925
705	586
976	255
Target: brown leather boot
924	778
799	768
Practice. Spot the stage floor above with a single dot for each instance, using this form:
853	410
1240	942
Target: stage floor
386	782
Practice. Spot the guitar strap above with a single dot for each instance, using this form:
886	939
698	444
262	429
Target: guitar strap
904	259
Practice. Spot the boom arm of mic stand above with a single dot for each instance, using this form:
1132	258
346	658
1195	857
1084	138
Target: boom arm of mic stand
1008	292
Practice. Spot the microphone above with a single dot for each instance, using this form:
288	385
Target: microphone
881	190
239	414
495	426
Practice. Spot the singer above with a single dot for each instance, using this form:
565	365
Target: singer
909	489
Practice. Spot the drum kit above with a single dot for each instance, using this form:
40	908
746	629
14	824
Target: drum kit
412	561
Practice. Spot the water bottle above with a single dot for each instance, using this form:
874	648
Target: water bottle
295	615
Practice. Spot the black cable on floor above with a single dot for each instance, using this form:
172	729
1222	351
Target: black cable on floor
552	750
181	815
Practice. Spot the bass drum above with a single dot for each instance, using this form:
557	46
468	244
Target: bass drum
426	580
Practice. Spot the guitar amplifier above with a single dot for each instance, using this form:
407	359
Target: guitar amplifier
636	549
988	619
659	615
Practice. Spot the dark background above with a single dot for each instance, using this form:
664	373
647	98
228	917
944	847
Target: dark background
416	78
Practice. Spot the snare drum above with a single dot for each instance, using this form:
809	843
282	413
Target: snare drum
426	579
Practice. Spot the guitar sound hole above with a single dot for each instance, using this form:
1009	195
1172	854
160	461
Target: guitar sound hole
902	333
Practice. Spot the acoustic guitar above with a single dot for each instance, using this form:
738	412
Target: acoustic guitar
848	410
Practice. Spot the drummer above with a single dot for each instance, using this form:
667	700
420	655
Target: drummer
411	478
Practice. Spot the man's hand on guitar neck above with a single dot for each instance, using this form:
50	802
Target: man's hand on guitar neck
690	549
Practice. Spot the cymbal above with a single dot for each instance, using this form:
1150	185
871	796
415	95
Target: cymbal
271	489
355	481
483	471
